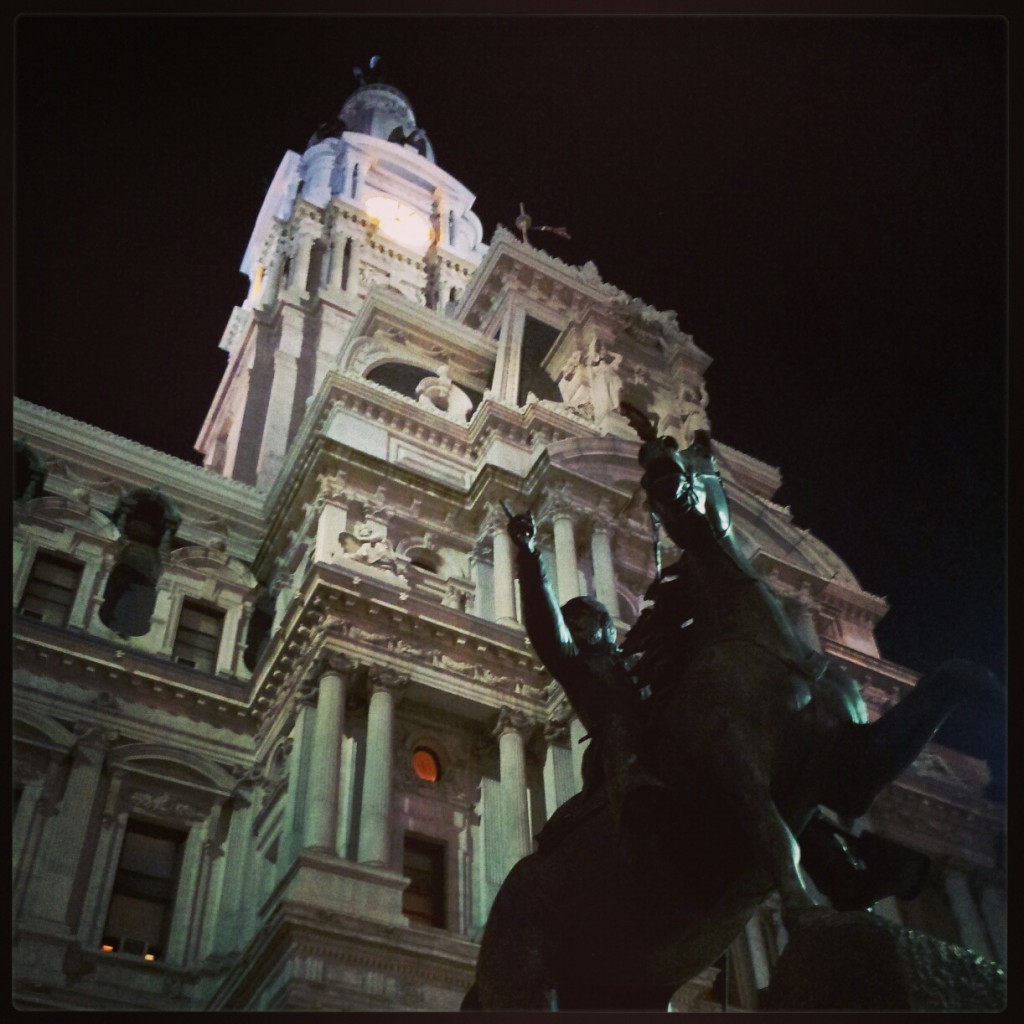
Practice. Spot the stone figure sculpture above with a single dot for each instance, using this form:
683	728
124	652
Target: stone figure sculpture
443	395
750	730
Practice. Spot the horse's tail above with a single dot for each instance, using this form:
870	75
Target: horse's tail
471	1000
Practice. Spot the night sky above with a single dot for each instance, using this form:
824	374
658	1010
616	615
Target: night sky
822	201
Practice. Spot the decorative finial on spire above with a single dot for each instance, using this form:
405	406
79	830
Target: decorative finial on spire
525	223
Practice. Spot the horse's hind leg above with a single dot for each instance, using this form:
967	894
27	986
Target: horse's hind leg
868	757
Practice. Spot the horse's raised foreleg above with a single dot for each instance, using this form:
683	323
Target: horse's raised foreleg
869	757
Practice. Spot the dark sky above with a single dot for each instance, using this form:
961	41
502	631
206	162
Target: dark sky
821	199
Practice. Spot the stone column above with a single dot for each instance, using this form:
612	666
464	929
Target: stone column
230	934
567	571
474	578
559	775
78	616
204	893
511	730
324	787
272	275
386	687
64	843
32	789
504	573
227	653
604	566
505	387
300	262
968	920
104	866
188	883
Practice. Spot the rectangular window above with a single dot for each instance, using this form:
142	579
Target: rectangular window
198	639
423	902
51	589
142	902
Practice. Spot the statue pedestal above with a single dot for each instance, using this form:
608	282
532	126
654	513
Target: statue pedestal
857	961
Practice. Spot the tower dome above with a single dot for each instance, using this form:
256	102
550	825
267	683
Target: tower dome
382	111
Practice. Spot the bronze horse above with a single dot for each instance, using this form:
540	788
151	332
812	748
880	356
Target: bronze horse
751	730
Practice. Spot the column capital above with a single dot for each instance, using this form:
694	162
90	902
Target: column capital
387	679
602	520
557	505
92	739
556	732
334	663
494	521
511	720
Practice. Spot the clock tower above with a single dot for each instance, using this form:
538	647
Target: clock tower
365	205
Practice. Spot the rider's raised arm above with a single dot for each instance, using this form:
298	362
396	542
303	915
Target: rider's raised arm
543	619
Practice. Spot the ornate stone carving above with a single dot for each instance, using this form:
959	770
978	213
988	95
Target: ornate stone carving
163	805
556	732
368	543
442	395
387	679
512	720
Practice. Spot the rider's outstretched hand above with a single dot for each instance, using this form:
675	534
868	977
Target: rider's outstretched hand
523	532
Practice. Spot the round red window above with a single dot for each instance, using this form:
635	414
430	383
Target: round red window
426	764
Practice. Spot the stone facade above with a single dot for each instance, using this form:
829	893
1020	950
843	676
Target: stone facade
296	677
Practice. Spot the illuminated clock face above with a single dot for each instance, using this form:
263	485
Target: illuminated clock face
399	222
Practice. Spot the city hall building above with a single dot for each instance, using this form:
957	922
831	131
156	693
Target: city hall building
278	733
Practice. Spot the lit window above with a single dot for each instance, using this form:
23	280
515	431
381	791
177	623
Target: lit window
51	588
198	639
423	864
425	764
139	916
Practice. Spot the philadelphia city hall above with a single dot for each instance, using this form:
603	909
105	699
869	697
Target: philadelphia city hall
278	734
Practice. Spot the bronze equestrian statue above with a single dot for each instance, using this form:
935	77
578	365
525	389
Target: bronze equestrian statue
715	741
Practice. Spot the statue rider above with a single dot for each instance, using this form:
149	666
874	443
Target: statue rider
577	645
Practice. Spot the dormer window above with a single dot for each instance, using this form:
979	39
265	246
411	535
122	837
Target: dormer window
51	589
198	638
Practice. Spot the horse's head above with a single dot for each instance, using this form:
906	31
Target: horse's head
682	484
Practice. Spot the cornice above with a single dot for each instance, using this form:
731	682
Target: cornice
131	676
131	464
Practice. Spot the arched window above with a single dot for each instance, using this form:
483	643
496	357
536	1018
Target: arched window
425	559
346	263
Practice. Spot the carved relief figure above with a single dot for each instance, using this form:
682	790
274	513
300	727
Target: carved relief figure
368	543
